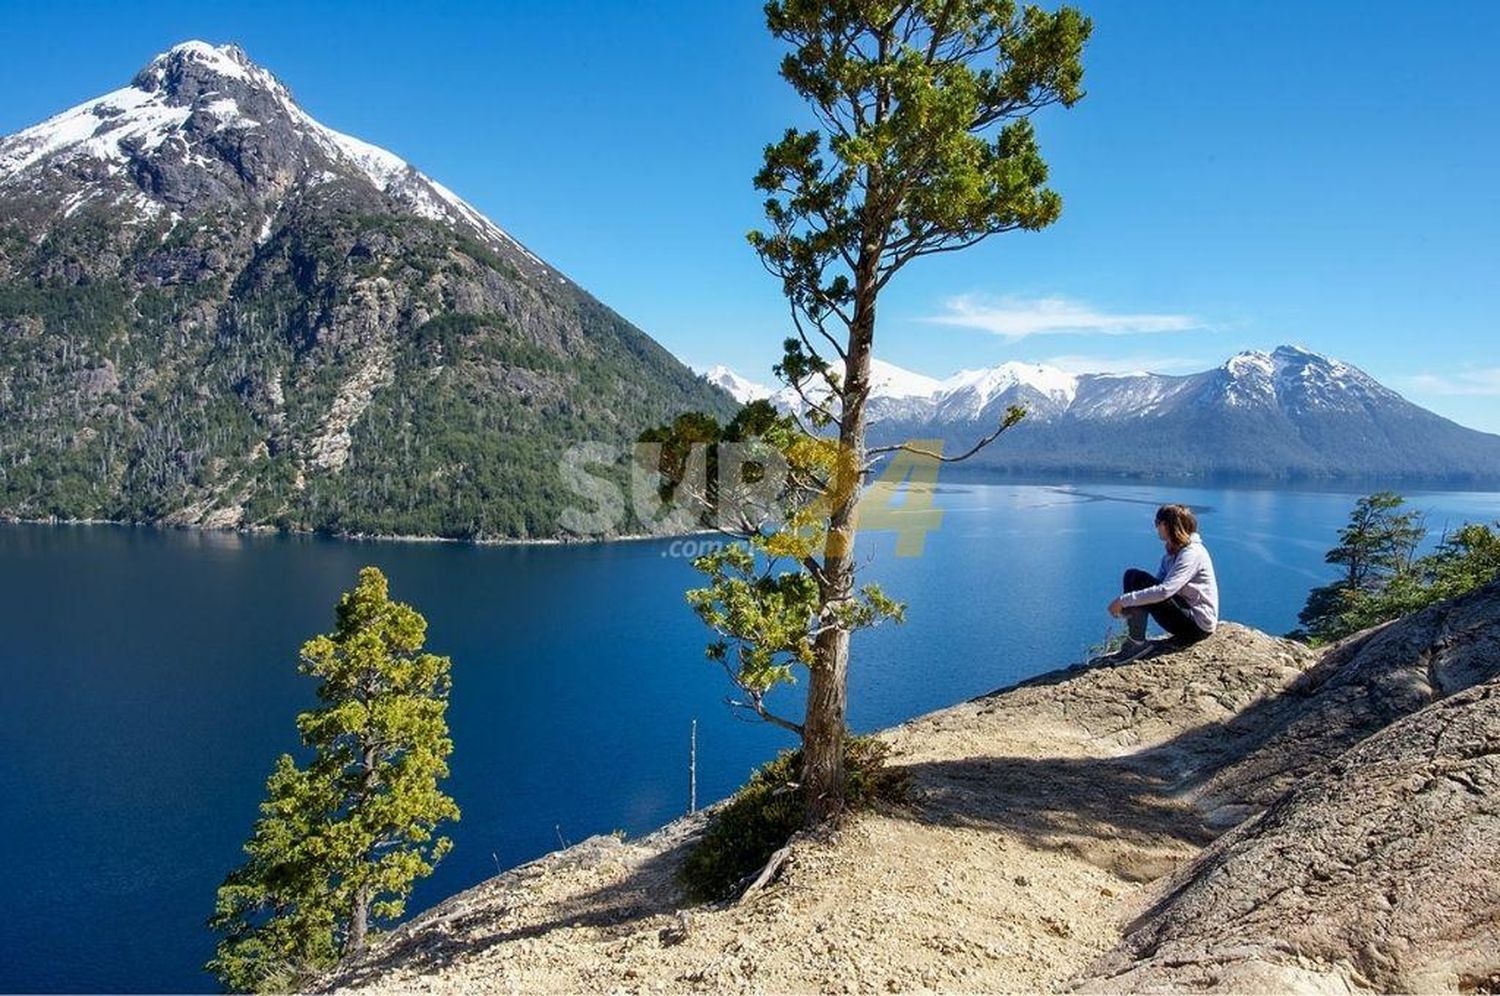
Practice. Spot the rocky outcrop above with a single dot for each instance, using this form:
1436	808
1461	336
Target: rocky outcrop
1377	864
1380	872
1246	815
1356	689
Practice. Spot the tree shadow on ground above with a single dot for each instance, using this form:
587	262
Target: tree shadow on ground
1116	813
1192	787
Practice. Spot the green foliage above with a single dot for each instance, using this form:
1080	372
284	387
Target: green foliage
1375	545
144	371
341	841
923	143
763	600
766	619
1382	580
1378	542
1463	561
686	462
764	814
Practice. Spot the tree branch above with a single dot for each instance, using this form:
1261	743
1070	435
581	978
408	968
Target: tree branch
756	706
919	451
797	323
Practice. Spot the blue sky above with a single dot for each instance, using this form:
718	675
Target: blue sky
1241	174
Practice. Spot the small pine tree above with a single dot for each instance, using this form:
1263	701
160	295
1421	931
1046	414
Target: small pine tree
1464	560
1378	542
341	841
1376	550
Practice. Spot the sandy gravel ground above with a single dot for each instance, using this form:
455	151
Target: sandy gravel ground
1035	816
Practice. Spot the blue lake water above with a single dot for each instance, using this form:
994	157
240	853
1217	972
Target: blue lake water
150	682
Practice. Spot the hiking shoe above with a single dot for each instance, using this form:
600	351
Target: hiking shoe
1128	650
1133	649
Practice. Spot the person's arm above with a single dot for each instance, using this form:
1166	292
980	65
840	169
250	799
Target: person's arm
1184	566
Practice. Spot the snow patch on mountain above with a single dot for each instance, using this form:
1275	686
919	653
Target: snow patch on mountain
1251	363
97	128
741	389
133	122
229	61
887	381
890	381
1289	379
969	392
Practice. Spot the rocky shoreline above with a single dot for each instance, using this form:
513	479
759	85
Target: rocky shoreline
1244	815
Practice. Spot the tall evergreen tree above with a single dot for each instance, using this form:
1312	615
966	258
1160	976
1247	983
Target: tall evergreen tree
340	842
923	144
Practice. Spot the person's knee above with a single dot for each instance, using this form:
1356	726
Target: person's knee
1136	579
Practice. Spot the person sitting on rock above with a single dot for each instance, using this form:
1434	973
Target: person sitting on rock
1183	595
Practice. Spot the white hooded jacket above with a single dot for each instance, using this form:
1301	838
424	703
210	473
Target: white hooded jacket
1190	576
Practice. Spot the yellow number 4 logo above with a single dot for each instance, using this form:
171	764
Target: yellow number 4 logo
910	516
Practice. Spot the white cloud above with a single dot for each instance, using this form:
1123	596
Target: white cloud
1017	318
1075	363
1484	381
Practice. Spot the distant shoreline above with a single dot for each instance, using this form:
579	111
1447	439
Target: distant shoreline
1332	483
954	476
189	527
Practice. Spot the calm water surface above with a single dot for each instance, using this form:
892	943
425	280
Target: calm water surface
150	682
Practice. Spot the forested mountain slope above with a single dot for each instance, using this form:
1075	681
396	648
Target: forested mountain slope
214	310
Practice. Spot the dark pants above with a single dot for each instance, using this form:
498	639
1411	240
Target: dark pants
1171	615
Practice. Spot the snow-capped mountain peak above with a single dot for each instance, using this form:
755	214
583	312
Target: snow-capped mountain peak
969	392
1292	377
124	124
890	381
202	124
741	389
1249	363
1289	378
1277	362
200	60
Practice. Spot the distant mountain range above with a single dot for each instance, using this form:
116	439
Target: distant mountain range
215	310
1283	415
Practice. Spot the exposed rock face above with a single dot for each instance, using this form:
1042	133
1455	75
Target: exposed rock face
215	310
1357	688
1379	872
1376	867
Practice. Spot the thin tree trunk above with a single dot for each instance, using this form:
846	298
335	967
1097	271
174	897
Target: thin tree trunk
693	768
827	693
359	921
823	733
359	910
